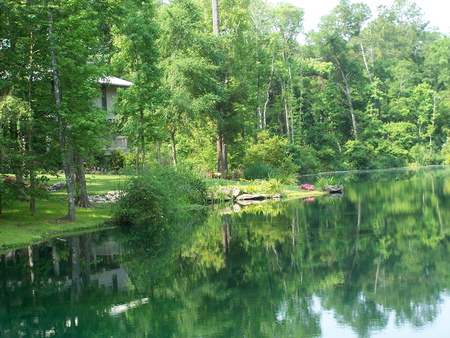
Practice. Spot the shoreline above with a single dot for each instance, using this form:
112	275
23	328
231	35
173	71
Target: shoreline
44	226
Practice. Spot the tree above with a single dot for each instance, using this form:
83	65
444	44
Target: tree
351	19
135	57
73	95
189	74
51	73
335	49
222	160
288	21
15	142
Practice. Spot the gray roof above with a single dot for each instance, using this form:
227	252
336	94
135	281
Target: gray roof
115	81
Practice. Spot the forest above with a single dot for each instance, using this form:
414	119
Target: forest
235	87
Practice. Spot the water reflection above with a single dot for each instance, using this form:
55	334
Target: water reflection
374	261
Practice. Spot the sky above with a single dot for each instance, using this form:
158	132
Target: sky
435	11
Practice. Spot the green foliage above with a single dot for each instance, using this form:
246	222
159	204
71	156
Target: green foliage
358	155
258	170
422	155
267	149
315	97
114	161
8	191
269	157
156	192
324	180
275	186
306	158
446	151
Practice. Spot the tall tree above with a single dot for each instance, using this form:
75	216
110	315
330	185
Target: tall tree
332	41
135	57
73	95
288	23
222	155
190	80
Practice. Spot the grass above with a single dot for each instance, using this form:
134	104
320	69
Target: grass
18	228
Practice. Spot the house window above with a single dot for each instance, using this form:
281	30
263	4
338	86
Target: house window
104	101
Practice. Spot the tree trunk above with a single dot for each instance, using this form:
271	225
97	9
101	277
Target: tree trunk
285	108
70	183
67	152
259	111
300	105
174	148
32	197
158	151
269	84
137	156
226	234
291	112
215	17
349	98
222	161
76	268
369	75
82	198
142	139
363	53
31	170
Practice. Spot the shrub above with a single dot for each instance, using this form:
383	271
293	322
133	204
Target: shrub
305	158
274	186
116	160
268	149
358	155
258	170
323	180
268	158
155	193
390	155
422	155
446	151
287	178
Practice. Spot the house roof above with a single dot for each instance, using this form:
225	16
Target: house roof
115	81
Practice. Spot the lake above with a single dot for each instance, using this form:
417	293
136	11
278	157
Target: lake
372	262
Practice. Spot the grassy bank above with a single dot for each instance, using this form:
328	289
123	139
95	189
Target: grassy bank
288	191
18	228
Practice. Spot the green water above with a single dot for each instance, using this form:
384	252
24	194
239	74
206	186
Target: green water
374	262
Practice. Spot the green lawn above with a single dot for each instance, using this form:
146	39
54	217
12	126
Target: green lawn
19	228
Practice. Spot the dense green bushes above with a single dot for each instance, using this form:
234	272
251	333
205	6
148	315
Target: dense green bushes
156	192
268	158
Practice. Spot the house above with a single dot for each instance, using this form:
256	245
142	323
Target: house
109	85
